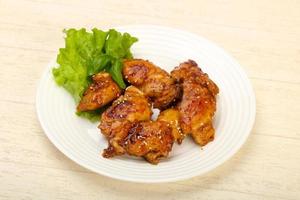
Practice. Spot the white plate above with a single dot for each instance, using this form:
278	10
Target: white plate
81	141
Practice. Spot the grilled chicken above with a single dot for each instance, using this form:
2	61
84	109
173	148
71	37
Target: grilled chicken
198	103
151	140
156	83
102	91
116	121
127	122
128	128
172	116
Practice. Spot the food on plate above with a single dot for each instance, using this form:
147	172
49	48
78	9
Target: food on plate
198	103
171	116
92	67
129	129
102	91
127	123
156	83
152	140
116	121
88	53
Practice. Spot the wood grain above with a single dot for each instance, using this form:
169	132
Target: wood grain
264	36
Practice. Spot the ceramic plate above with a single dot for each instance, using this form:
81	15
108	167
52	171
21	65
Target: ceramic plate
81	141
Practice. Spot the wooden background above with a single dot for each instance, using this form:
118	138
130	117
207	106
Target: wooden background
263	35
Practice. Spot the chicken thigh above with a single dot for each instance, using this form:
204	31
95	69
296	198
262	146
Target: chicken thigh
117	120
198	103
102	91
156	83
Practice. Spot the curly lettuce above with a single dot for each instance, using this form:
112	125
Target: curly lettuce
87	53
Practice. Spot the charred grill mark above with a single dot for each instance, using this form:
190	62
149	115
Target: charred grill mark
135	133
120	111
137	71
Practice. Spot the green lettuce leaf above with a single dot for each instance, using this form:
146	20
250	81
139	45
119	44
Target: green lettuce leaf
118	45
116	72
87	53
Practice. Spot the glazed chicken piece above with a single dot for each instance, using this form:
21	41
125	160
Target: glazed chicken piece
117	120
198	103
102	91
128	128
152	140
189	71
172	116
156	83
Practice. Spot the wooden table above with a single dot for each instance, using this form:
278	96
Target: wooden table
263	35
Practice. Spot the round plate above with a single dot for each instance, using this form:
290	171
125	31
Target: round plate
81	141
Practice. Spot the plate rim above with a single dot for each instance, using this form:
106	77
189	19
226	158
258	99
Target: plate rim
218	163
